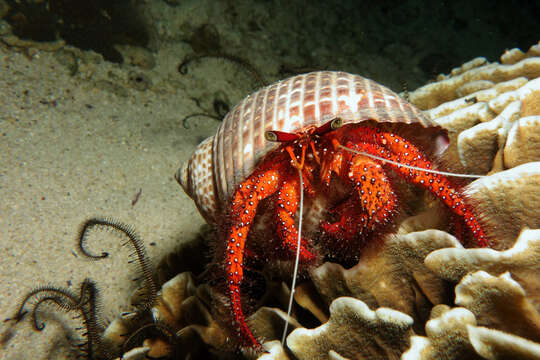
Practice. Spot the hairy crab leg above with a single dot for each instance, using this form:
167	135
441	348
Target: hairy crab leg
351	223
244	207
398	149
286	207
257	187
377	200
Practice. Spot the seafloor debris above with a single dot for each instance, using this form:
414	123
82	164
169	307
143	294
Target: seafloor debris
420	295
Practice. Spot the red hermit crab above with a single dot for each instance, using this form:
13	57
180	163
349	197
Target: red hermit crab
344	141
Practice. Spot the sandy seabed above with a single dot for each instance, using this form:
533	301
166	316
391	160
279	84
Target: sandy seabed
72	149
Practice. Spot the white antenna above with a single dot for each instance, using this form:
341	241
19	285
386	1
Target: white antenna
295	272
410	166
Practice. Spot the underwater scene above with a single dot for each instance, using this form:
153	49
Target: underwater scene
268	179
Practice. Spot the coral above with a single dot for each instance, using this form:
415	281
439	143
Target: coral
481	104
523	141
493	344
354	330
401	282
495	322
446	336
136	354
521	261
398	292
182	308
379	313
499	303
275	351
193	314
509	201
447	87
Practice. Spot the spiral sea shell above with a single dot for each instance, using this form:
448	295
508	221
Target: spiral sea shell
222	161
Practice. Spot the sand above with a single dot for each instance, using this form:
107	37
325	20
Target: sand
71	150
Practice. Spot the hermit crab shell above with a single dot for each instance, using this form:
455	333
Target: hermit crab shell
224	160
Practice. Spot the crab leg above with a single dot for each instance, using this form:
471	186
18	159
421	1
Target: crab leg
396	148
244	207
377	199
257	187
286	207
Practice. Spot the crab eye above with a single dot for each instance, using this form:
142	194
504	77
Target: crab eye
336	123
270	136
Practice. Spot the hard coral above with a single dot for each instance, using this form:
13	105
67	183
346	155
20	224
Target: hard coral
401	282
509	201
446	336
354	331
463	333
521	261
499	303
479	103
379	313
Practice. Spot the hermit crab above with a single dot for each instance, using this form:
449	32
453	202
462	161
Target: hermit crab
343	141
